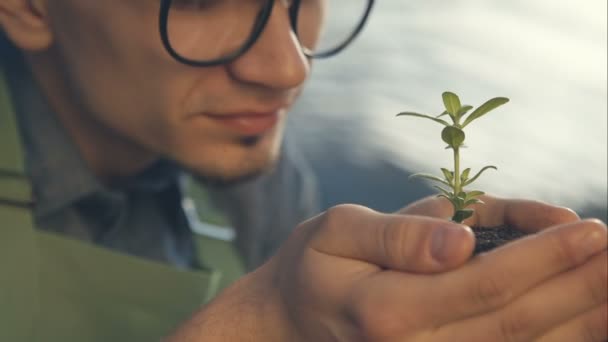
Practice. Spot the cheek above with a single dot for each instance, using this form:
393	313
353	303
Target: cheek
115	64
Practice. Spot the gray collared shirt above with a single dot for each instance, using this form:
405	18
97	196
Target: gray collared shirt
145	217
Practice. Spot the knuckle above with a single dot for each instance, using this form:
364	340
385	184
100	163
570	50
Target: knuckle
492	291
336	214
333	224
390	241
334	217
340	209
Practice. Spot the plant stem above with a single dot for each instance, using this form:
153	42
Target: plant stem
457	185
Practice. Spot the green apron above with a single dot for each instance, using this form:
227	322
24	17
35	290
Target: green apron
54	288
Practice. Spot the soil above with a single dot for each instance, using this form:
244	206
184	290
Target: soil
488	238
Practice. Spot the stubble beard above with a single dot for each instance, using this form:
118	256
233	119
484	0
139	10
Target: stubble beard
262	162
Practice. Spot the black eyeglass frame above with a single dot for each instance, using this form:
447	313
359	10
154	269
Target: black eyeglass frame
258	28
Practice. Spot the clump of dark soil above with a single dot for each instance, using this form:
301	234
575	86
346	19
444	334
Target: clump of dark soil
490	238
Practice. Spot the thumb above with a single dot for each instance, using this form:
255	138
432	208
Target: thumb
399	242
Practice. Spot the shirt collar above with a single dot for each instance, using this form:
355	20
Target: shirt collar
59	174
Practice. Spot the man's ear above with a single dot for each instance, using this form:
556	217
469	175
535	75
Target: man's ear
26	23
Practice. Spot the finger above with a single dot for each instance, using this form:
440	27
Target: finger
491	280
399	242
526	215
547	306
432	206
591	326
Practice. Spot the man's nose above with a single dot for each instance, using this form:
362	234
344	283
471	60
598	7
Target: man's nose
276	60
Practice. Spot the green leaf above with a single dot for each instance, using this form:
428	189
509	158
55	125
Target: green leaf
453	136
463	110
485	108
446	197
473	201
445	192
471	197
473	194
443	122
431	177
442	114
461	215
479	174
451	103
465	175
458	202
449	175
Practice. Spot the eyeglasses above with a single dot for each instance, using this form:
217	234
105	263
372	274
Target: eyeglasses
213	32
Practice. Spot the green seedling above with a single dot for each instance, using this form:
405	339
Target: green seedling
453	134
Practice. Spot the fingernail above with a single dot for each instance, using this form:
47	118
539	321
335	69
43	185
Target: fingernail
445	241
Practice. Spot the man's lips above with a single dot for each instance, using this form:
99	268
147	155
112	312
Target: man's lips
247	123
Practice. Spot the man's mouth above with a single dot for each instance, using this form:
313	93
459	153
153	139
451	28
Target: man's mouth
247	123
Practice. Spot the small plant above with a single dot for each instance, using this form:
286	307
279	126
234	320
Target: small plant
453	135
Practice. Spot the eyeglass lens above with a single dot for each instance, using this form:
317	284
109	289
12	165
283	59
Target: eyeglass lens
205	30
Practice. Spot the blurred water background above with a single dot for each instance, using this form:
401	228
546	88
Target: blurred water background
549	143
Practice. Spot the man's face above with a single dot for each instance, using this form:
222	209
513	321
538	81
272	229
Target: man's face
223	122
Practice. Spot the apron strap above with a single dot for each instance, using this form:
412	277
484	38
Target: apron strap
213	235
15	188
18	258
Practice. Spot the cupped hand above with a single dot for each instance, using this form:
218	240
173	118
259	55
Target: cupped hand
353	274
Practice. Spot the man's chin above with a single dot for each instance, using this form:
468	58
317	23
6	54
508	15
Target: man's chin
239	162
217	180
233	176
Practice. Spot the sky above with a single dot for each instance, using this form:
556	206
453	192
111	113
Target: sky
547	56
